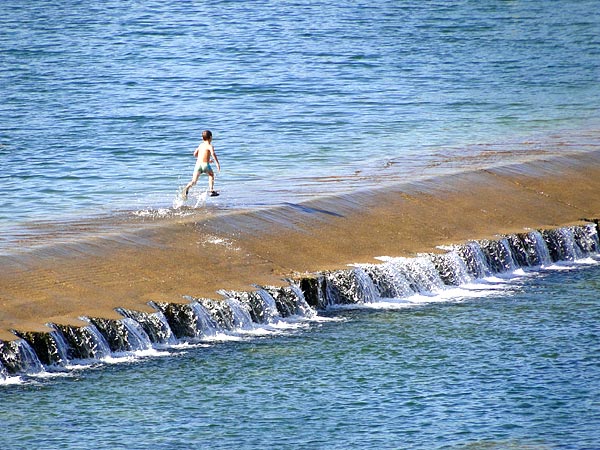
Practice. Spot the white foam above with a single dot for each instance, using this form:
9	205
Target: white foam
201	199
162	213
11	381
215	240
178	201
60	374
482	288
570	265
383	304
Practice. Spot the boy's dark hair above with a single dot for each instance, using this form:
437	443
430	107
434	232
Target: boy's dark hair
206	135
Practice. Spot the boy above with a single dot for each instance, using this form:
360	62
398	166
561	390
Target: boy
205	154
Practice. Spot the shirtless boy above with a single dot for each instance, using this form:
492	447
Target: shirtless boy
205	154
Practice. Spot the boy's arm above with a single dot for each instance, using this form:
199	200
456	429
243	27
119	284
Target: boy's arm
212	150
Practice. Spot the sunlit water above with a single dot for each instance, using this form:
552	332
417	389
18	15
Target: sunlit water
102	105
506	363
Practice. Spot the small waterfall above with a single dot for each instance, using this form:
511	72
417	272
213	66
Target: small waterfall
303	308
553	244
474	259
259	304
135	335
586	237
451	268
421	274
389	281
541	250
561	244
287	301
115	333
155	325
83	342
214	315
574	250
267	307
427	274
283	303
206	324
182	319
314	291
240	314
529	249
50	350
498	255
17	357
349	286
369	292
522	250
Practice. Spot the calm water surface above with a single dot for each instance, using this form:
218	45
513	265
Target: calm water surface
516	366
103	104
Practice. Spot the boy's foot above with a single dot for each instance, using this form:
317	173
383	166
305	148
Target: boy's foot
213	193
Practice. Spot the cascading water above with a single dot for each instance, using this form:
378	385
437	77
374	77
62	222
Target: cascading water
303	308
202	319
17	357
498	255
586	237
155	326
529	250
313	290
181	318
50	348
474	258
390	282
268	307
288	302
136	336
452	268
240	314
540	250
421	274
83	343
570	243
125	335
348	286
212	316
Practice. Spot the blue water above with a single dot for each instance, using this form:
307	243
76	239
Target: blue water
512	363
101	107
103	104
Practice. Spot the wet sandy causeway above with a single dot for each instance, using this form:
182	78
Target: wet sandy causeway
166	259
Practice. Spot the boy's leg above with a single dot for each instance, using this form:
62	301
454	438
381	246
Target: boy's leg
191	183
211	181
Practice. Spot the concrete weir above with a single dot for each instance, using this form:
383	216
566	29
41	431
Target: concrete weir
68	300
200	319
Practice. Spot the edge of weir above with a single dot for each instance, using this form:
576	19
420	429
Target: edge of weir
34	352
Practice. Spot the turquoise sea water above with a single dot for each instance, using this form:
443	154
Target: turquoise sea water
103	104
508	363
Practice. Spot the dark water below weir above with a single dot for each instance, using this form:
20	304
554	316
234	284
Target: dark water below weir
512	362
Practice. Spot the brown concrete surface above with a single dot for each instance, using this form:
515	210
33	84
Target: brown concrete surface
167	259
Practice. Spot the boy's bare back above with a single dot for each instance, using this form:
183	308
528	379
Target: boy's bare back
204	152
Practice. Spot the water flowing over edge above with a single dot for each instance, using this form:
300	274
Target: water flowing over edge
475	268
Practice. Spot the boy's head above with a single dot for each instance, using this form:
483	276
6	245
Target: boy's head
206	135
